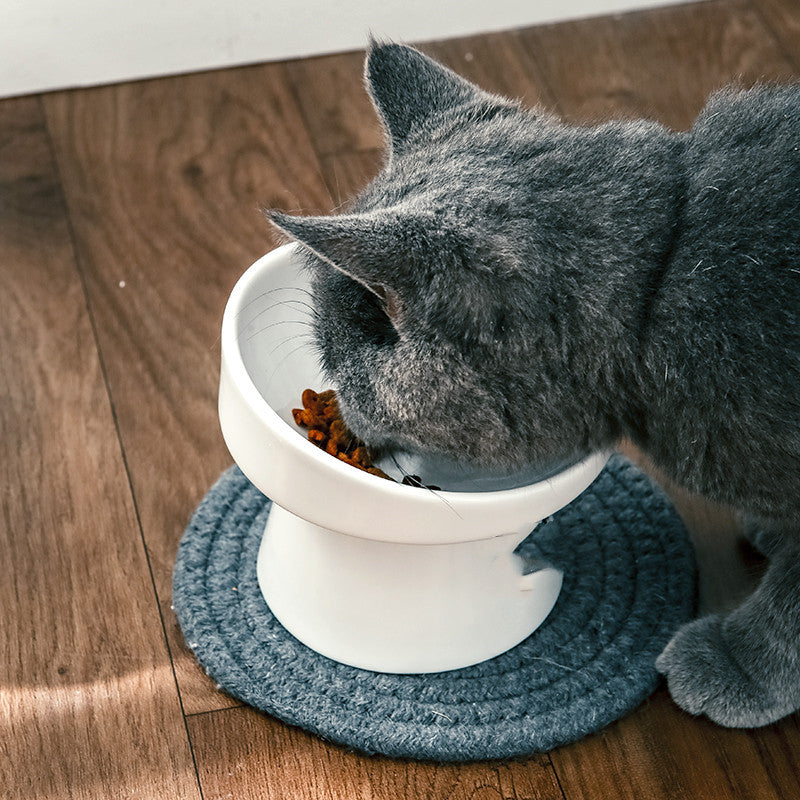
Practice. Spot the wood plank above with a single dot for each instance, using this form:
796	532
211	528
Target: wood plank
496	62
783	19
88	701
777	747
336	107
164	180
659	753
247	755
661	64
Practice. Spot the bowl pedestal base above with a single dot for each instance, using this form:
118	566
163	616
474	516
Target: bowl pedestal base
397	607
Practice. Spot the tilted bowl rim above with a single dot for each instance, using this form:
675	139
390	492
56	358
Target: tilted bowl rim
579	472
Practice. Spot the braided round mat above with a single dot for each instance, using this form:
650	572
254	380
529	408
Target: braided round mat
628	584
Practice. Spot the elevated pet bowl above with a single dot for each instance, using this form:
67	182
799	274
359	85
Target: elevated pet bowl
371	573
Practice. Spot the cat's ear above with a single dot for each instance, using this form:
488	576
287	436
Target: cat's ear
407	87
359	245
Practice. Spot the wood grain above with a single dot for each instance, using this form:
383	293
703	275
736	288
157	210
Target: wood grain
164	180
782	18
661	64
115	264
88	703
496	62
661	753
256	758
336	108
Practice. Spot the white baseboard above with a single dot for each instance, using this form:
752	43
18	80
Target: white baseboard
66	43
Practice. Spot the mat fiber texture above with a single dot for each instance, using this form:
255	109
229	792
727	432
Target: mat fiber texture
629	581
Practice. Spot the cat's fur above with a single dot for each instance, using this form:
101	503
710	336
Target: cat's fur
511	290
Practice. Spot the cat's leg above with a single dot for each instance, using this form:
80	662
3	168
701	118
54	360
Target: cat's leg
742	669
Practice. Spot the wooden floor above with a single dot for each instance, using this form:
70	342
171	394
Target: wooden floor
126	215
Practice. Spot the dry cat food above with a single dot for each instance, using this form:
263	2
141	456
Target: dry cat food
326	429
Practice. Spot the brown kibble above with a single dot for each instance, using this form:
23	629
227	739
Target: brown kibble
310	399
350	460
339	430
361	456
317	436
326	429
304	417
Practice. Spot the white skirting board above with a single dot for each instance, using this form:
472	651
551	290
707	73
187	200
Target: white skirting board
54	44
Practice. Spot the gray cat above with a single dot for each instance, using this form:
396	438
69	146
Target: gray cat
513	291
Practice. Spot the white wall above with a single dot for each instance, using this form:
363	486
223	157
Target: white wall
51	44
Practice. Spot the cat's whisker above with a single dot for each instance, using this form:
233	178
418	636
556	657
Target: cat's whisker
261	296
338	187
308	311
275	289
554	663
261	330
350	440
287	356
305	336
299	305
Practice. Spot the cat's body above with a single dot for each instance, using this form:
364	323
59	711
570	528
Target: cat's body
512	291
721	356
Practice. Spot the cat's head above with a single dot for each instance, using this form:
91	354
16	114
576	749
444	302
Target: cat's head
426	321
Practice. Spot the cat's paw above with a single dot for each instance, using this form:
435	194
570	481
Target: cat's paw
704	677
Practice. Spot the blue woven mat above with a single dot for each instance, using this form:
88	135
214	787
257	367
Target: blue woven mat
628	584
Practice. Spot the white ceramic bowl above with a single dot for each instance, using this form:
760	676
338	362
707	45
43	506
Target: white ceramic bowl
365	571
